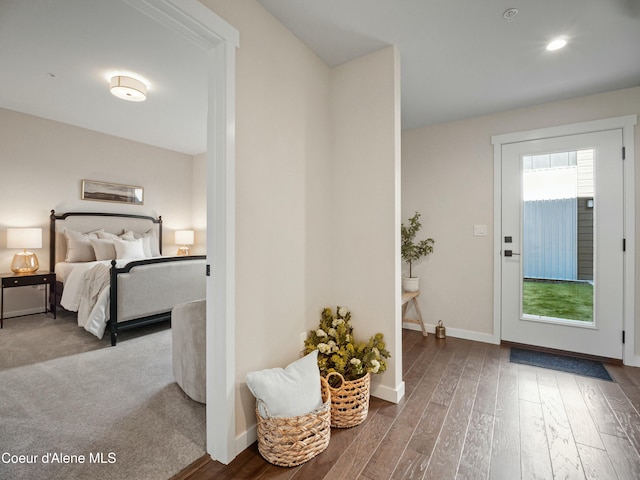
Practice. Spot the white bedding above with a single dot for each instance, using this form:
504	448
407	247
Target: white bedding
151	290
63	270
86	291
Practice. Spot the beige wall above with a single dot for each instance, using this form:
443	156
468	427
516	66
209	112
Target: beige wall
311	145
365	221
199	203
447	175
42	164
283	194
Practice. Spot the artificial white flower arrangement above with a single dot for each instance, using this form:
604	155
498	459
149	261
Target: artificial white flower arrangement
339	352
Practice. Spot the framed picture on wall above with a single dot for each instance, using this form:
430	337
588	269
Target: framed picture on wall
112	192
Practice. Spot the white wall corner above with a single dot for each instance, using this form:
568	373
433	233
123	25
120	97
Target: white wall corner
393	395
366	133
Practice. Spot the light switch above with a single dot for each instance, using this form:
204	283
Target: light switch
479	230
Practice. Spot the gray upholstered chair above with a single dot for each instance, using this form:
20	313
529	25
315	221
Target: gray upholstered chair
188	323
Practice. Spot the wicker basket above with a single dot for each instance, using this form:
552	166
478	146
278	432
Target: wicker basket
288	442
349	401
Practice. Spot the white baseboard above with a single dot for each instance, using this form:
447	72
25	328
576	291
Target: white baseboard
393	395
416	327
246	439
20	313
455	332
633	361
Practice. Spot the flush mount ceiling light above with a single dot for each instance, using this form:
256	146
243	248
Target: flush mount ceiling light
128	88
557	43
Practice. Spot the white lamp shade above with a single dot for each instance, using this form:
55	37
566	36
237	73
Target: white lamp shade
184	237
128	88
24	238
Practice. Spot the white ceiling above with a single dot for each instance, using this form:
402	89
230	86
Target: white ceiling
459	58
462	58
84	42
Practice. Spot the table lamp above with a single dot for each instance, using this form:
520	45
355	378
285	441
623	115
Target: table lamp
184	238
24	262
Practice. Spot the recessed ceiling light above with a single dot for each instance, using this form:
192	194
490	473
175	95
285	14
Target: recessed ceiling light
510	14
557	44
128	88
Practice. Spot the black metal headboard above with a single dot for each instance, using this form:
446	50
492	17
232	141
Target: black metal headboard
87	221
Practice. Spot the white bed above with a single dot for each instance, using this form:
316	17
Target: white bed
145	285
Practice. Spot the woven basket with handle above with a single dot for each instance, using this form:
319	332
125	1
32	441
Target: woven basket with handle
349	401
290	441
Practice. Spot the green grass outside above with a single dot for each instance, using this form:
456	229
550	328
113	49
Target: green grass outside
573	301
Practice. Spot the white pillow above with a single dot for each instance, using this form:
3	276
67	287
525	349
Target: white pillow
111	236
104	249
151	247
288	392
153	243
130	249
146	246
79	247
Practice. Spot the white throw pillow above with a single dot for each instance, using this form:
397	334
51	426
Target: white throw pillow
288	392
104	249
151	243
130	249
79	247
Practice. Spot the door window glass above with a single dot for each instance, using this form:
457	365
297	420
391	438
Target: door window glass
557	235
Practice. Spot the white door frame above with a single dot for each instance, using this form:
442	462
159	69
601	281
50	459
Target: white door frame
626	123
219	39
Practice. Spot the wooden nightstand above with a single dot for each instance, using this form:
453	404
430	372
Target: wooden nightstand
10	280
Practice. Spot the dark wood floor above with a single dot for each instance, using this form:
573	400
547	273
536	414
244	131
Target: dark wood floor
469	413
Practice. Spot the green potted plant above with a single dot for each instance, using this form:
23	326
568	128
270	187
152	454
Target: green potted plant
412	250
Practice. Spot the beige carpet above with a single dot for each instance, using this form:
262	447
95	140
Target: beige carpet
36	338
111	412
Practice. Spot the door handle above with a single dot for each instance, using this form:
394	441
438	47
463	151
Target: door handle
510	253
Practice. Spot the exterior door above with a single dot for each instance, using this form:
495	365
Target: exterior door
562	243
